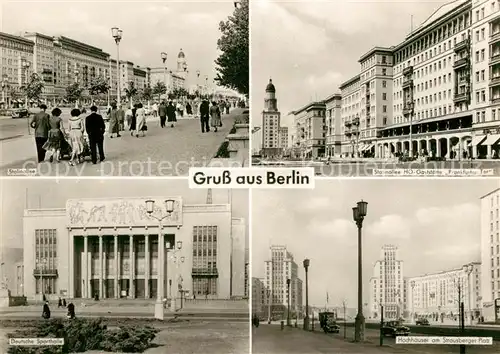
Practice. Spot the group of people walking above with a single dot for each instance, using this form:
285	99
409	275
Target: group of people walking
207	112
61	303
135	118
167	112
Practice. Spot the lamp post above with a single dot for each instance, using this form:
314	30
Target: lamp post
468	270
412	112
306	264
117	35
206	84
197	82
169	207
288	323
344	307
164	60
25	67
173	249
269	299
359	213
412	284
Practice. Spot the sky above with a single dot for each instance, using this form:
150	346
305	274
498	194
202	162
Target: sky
53	193
149	28
434	223
310	47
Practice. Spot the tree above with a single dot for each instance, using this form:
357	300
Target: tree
74	93
159	89
98	85
131	92
147	94
232	64
33	89
178	92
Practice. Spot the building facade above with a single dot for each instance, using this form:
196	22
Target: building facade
350	115
259	298
333	108
110	247
387	285
490	254
283	134
279	269
271	124
310	128
439	294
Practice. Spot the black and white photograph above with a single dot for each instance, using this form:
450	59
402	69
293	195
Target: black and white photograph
143	88
355	265
352	87
123	266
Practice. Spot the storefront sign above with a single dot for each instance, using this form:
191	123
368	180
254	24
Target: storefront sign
121	212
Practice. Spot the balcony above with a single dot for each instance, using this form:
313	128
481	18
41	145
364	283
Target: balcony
204	273
45	273
355	121
495	100
461	45
367	92
495	37
408	71
348	133
348	123
461	97
407	83
495	59
461	63
494	81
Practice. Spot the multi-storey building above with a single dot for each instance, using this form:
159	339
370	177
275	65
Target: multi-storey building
387	285
283	134
310	127
140	77
333	107
271	144
440	294
279	269
490	254
259	297
351	111
14	49
44	62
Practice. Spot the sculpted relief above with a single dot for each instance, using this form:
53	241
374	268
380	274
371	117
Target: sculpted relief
123	212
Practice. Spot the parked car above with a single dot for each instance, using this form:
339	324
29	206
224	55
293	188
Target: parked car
20	113
422	322
394	329
328	322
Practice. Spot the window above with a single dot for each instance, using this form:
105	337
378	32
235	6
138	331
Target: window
46	260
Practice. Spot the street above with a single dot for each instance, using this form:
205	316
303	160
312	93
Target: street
269	339
162	152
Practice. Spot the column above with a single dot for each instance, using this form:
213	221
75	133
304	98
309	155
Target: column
71	290
438	147
85	270
146	273
132	267
460	149
448	148
101	268
488	154
474	151
117	273
161	266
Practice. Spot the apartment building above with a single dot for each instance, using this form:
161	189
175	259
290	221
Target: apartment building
259	298
271	123
283	138
310	127
350	115
333	106
441	293
490	254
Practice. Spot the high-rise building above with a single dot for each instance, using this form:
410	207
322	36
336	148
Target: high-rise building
490	254
283	138
271	123
441	293
310	125
387	284
280	268
333	122
258	297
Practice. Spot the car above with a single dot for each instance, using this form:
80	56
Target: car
422	322
328	322
394	329
20	113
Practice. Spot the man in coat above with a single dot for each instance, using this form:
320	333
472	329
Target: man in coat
171	113
162	112
40	123
205	116
94	124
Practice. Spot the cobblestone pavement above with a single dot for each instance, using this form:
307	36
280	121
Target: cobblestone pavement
162	152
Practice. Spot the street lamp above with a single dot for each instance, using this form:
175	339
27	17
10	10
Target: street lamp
288	312
468	270
164	60
412	299
117	35
411	106
359	213
306	319
206	84
197	81
150	208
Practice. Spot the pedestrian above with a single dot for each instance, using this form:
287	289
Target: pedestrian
133	122
141	120
162	112
64	302
121	118
46	311
56	135
128	117
59	303
215	114
171	114
205	116
114	124
189	109
71	311
180	108
76	129
227	105
94	124
40	123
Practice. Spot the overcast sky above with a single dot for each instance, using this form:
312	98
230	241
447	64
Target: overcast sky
435	224
53	193
309	47
149	28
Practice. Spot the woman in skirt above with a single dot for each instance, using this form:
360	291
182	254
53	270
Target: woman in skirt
56	135
215	114
140	114
76	130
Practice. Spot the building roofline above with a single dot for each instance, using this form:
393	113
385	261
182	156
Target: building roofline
350	81
375	50
46	36
489	193
444	271
309	105
17	38
332	96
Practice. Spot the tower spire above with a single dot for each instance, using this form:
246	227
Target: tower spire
209	196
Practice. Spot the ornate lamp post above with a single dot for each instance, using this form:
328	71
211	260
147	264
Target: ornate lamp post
173	249
164	60
306	319
150	208
26	66
468	270
412	284
359	213
117	35
288	323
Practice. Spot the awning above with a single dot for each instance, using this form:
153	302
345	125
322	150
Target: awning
477	140
369	147
492	139
361	147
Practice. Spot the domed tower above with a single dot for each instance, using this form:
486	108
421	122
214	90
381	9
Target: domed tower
270	101
181	62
